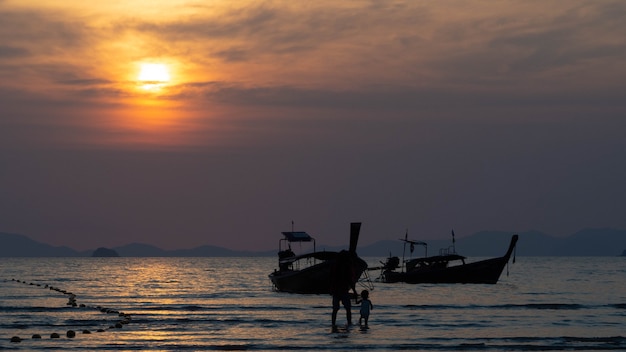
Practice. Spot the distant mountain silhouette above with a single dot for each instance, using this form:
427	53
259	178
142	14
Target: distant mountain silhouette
146	250
587	242
594	242
13	245
140	250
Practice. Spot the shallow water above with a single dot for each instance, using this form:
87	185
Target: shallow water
228	304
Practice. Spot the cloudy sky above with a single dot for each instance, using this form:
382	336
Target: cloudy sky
410	114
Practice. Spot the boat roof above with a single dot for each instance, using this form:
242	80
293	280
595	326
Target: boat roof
438	258
317	255
297	236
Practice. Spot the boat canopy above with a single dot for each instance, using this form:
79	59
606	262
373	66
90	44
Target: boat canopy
297	236
316	255
437	258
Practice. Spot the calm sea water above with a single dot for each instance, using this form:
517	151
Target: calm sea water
228	304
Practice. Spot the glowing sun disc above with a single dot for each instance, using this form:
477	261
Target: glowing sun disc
154	73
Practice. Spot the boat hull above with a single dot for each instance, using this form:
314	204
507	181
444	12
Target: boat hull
311	280
482	272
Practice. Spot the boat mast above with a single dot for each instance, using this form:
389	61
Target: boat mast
406	239
412	243
290	242
453	243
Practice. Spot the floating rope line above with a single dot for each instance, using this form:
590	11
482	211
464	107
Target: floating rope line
126	318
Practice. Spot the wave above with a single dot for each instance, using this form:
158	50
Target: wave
531	306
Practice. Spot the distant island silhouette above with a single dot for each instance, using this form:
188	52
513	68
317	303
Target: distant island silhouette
105	252
588	242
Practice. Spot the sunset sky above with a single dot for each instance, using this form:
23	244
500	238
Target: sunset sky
185	123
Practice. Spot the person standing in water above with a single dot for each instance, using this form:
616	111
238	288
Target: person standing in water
366	306
342	279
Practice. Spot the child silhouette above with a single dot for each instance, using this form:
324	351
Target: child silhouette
366	306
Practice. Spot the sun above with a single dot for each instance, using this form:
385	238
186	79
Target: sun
153	76
154	73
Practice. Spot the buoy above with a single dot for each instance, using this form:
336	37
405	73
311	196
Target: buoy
70	333
16	339
86	332
54	335
118	325
36	336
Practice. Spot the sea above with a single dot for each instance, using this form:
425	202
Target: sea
228	304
